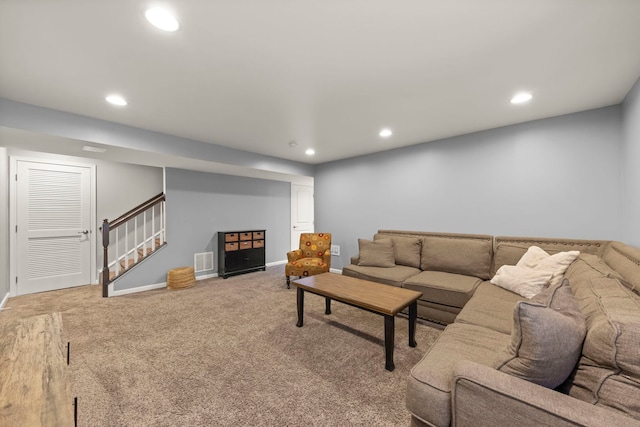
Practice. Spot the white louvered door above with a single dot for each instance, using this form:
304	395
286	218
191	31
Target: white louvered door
54	231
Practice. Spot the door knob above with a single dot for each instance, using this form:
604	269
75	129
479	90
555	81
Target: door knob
83	232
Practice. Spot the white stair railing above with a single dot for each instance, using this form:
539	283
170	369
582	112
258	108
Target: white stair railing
132	237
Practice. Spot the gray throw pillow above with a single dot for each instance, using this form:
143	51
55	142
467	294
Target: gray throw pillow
377	253
546	339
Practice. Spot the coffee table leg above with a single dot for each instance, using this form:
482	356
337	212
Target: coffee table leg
413	314
389	336
300	295
327	309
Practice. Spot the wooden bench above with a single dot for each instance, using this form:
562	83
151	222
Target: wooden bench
34	386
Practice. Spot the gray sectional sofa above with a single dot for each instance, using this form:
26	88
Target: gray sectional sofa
568	356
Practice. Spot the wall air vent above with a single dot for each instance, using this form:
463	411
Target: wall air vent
203	261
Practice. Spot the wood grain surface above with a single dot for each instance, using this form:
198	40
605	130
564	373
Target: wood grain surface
34	387
384	299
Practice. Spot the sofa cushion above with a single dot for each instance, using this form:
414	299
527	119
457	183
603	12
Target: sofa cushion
431	379
405	249
443	288
538	259
508	250
459	254
546	339
524	281
376	253
394	276
586	267
491	307
626	261
608	372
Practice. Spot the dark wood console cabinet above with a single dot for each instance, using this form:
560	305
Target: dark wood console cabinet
240	252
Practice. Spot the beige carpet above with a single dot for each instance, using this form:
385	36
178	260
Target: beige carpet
228	353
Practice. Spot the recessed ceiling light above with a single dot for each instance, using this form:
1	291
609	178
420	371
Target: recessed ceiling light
116	100
162	19
310	152
385	133
521	97
293	144
94	149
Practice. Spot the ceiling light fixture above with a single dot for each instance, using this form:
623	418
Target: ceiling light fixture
385	133
293	144
521	97
162	19
116	100
310	152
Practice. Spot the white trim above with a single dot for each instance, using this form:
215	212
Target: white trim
4	301
144	288
206	276
335	270
271	264
121	292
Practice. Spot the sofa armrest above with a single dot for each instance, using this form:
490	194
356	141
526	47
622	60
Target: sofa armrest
486	396
294	255
355	259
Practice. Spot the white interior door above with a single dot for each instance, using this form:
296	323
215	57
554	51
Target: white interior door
53	226
301	212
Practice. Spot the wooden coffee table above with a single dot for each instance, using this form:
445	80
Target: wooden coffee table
370	296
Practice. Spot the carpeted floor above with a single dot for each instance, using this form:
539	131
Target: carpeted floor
228	353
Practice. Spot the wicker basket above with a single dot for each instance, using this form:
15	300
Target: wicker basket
180	278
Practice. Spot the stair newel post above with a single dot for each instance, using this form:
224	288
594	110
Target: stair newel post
105	258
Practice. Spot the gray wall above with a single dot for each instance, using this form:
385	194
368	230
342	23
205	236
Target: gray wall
630	166
201	204
557	177
4	223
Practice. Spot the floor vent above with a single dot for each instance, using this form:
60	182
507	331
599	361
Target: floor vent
203	261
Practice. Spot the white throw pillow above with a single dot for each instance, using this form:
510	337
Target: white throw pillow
539	259
522	280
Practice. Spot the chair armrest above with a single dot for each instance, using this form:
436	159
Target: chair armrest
326	257
294	255
486	396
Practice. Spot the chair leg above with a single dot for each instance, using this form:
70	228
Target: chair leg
288	283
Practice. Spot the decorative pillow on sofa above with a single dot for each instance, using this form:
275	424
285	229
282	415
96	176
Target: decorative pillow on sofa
405	249
524	281
377	253
537	258
546	339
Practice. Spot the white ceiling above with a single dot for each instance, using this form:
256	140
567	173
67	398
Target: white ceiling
256	74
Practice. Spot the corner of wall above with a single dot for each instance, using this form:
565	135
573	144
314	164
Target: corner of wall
4	223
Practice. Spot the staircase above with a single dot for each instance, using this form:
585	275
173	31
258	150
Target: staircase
131	238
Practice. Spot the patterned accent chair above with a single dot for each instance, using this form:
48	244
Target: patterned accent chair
313	257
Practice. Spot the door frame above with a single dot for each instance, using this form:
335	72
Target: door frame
13	216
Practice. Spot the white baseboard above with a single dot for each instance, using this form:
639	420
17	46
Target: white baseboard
164	284
207	276
335	270
138	289
4	301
